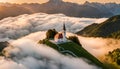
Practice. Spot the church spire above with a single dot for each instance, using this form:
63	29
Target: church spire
64	28
64	33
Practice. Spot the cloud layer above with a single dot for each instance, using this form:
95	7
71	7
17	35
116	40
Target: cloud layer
99	46
27	54
14	27
96	46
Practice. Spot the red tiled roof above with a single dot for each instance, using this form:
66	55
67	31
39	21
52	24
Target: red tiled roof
59	36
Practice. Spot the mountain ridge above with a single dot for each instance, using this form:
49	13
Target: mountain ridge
94	10
108	29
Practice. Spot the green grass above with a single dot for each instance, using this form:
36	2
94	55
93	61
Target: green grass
77	50
47	42
80	52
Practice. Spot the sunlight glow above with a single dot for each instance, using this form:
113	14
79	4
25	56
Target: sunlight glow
74	1
23	1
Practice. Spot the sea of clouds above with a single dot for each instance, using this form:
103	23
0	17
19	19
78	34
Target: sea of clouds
24	31
99	47
15	27
26	53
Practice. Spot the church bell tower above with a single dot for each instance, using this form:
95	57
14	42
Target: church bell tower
64	32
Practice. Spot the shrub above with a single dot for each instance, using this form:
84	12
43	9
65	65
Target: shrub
115	35
74	39
114	56
42	41
51	33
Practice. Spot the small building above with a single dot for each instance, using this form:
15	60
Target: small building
61	37
58	37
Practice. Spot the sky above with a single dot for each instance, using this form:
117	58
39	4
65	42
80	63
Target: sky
42	1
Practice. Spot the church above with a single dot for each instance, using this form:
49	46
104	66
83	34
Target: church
61	37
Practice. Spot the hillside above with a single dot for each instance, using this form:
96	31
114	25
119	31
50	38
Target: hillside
110	28
73	49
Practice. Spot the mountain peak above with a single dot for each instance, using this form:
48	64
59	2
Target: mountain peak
87	2
55	1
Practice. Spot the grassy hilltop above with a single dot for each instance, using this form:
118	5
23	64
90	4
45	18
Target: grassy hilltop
78	50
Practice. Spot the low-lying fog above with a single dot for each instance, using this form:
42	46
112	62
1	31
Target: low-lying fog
25	53
15	27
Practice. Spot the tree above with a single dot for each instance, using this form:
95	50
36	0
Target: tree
74	39
51	33
118	61
114	56
42	41
115	35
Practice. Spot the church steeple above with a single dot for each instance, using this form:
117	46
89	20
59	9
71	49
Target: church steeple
61	37
64	33
64	28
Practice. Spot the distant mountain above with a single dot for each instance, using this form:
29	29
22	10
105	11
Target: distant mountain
87	9
111	7
67	8
110	28
114	8
10	11
101	7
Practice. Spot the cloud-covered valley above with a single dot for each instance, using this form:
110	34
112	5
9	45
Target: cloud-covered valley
96	46
15	27
25	53
24	31
99	47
